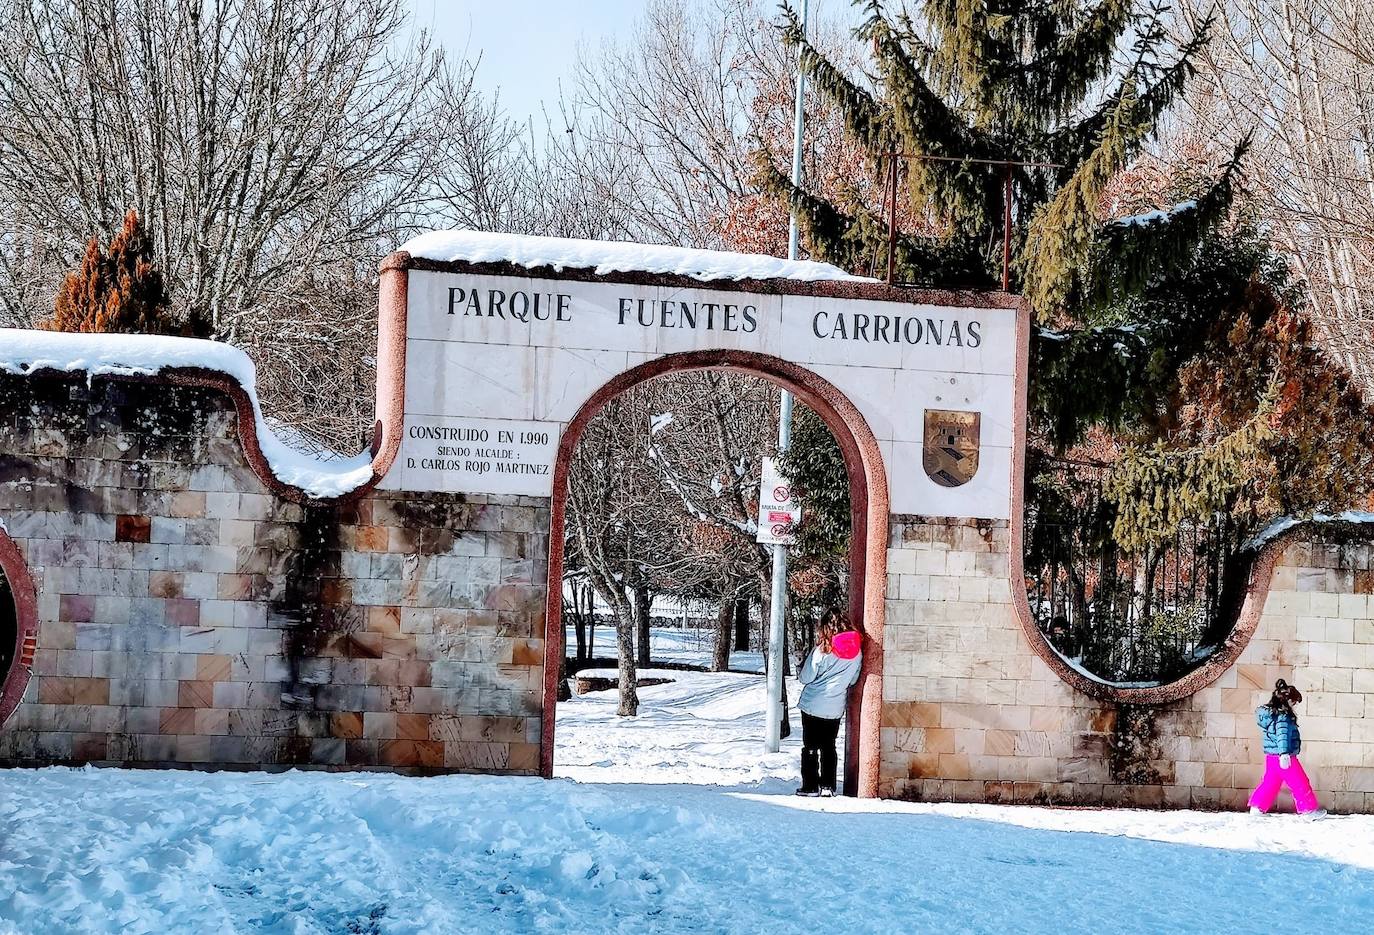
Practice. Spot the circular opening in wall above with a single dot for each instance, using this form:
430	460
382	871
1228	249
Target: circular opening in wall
9	627
18	625
1111	618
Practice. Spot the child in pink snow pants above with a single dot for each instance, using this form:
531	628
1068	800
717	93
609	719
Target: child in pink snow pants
1282	743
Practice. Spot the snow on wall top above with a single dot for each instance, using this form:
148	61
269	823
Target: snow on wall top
1282	524
614	256
24	352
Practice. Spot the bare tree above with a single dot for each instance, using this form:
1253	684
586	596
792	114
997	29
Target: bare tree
1301	74
601	496
660	130
315	353
259	141
573	180
712	428
482	175
580	606
662	494
274	152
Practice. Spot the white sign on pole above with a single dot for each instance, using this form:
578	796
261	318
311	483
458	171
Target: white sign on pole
779	510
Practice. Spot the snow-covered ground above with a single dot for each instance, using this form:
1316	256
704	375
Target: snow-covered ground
96	851
121	851
702	727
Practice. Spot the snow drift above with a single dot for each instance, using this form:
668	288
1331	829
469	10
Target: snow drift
613	256
26	352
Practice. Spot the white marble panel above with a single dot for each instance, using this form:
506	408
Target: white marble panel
919	390
477	309
731	320
987	495
470	455
805	316
995	353
868	388
530	366
635	358
599	317
567	377
455	378
891	334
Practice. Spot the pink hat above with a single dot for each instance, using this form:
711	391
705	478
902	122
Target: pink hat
846	645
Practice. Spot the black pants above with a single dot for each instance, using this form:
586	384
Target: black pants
818	752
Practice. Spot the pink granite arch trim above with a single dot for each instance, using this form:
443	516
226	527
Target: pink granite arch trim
867	558
16	680
392	310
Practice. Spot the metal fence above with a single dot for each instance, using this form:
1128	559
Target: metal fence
1127	618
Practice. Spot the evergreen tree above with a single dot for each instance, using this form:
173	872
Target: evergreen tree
814	467
119	291
1257	422
1176	336
980	89
977	83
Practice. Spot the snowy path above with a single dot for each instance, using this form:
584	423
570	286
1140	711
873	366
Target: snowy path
110	850
701	728
103	851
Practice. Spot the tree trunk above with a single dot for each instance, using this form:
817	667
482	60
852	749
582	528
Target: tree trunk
742	625
625	654
725	625
581	612
786	729
564	692
644	602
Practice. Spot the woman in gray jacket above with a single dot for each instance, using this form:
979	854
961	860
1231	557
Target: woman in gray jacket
831	668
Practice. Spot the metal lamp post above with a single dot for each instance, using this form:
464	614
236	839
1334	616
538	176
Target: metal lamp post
778	604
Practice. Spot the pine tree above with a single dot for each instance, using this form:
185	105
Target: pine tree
977	83
1048	103
119	291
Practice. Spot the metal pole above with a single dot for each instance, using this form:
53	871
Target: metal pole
777	607
892	219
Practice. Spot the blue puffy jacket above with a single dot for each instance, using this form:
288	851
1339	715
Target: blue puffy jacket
1280	731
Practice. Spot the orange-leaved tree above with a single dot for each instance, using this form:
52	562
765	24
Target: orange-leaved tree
117	291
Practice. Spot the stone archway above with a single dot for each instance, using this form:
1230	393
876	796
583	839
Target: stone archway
867	557
14	676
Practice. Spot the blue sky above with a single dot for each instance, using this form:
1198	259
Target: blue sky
528	46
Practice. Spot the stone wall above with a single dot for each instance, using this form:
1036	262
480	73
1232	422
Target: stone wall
190	616
971	712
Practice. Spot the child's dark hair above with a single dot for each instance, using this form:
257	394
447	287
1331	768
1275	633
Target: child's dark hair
1283	699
